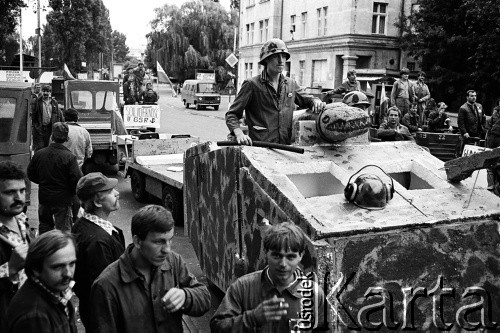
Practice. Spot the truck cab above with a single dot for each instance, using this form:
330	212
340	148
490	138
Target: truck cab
15	124
97	105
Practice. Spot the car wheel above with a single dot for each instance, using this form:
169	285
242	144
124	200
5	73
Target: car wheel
172	200
138	186
216	107
186	104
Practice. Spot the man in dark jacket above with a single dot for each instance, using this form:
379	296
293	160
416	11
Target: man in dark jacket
268	100
412	120
149	288
43	304
45	113
13	240
471	119
55	169
99	242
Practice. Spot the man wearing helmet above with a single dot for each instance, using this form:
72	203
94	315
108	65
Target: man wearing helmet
268	100
356	99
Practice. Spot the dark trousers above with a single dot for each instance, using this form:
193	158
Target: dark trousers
58	217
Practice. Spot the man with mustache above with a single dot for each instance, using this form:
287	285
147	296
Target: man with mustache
268	100
99	242
271	300
149	288
13	238
43	302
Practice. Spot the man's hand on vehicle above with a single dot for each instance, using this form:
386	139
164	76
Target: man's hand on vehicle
241	138
318	106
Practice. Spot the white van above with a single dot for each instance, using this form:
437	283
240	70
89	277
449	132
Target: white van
201	93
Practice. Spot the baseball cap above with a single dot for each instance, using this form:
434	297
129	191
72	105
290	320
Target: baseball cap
60	131
92	183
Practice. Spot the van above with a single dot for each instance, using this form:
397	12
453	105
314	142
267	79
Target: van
200	93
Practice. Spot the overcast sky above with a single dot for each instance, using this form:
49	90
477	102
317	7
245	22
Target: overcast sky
130	17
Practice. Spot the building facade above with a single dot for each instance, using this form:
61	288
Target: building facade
326	39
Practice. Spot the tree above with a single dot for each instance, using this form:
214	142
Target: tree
10	10
76	31
458	42
198	35
120	47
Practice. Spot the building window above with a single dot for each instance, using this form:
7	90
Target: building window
325	26
248	70
410	66
321	13
251	3
248	33
302	71
303	18
261	31
292	27
319	72
320	22
251	32
379	18
266	29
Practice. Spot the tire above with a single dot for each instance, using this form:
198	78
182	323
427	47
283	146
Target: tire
186	104
172	200
138	186
216	107
198	107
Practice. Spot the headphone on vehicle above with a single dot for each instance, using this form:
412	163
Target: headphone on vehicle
352	189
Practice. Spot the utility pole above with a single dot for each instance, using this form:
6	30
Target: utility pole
38	32
21	45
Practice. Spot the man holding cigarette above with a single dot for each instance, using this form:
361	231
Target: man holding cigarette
272	300
13	238
149	288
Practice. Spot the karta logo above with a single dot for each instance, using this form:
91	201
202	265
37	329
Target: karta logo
479	305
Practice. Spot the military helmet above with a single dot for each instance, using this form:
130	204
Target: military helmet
355	98
273	46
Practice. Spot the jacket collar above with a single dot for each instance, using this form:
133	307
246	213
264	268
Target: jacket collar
265	78
128	272
56	145
268	285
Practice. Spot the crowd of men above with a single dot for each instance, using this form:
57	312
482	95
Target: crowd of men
142	287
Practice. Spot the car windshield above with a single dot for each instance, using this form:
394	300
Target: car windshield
105	100
206	87
81	100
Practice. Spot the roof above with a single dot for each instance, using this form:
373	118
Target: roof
14	85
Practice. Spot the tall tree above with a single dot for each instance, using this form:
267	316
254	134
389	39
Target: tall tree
459	43
78	31
120	48
199	34
10	10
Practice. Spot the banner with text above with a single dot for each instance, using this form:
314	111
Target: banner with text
141	116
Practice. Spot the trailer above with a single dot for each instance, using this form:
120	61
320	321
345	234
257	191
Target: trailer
155	167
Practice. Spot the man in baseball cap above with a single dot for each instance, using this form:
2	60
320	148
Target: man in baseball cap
99	242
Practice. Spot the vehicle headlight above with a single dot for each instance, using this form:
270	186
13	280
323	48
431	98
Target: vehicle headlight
218	98
200	98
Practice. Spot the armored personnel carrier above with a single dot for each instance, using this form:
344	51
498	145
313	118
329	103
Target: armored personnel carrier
414	252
